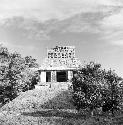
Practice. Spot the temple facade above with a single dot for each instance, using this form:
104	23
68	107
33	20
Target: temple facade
59	65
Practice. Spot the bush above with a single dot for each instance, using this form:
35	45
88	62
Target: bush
94	88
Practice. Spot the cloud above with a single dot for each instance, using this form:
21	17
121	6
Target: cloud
114	21
49	9
74	16
85	21
92	22
26	28
117	43
112	26
26	8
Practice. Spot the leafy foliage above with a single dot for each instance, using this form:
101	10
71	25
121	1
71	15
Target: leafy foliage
15	73
112	94
94	88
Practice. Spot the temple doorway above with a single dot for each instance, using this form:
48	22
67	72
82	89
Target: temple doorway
48	76
62	76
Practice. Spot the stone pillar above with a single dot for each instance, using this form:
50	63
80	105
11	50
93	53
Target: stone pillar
53	76
43	76
70	75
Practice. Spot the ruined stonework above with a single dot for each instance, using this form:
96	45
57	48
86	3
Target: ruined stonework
66	52
59	64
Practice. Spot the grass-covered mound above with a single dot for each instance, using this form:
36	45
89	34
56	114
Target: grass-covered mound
48	98
47	106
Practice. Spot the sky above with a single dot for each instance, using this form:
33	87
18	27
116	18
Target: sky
94	27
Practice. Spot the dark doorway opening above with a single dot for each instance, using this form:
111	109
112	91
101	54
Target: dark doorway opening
62	76
48	76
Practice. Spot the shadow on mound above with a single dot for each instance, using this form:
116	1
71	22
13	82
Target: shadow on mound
59	106
54	113
62	100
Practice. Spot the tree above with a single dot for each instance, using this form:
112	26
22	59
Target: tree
31	62
91	87
15	73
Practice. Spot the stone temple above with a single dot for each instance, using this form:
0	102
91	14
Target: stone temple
59	65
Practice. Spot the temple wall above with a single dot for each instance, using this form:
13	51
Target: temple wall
70	75
61	52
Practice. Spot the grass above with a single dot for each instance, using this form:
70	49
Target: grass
47	117
56	117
